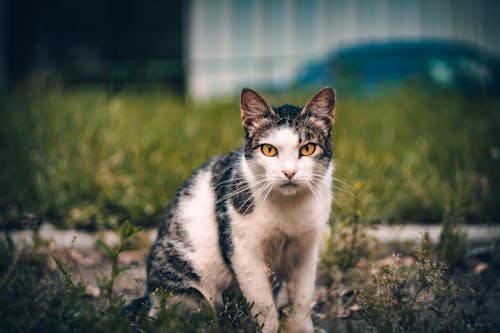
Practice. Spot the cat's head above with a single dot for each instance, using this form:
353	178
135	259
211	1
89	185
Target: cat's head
288	149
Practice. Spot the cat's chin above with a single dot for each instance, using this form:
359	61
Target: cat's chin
289	189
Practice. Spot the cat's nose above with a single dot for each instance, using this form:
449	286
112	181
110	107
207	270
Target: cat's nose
289	173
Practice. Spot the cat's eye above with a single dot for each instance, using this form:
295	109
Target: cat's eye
307	149
269	150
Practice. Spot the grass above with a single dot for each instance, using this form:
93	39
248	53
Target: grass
420	157
93	158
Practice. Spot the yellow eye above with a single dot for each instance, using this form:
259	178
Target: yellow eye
307	149
268	150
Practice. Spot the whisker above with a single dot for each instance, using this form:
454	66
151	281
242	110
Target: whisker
239	190
233	193
269	188
338	204
333	216
259	191
315	192
252	197
346	188
348	192
343	182
258	177
229	181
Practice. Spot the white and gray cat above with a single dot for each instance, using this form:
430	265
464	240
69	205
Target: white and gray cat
254	214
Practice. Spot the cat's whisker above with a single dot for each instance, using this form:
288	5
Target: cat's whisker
327	175
343	182
269	189
345	186
239	191
333	216
316	176
230	180
343	190
256	194
336	201
259	191
315	192
339	205
231	194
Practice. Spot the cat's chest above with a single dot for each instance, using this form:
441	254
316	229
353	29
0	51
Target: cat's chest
281	237
285	221
282	252
290	219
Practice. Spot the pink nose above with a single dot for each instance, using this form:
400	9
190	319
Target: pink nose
289	173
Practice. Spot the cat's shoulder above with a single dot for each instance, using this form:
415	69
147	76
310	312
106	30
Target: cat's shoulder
223	165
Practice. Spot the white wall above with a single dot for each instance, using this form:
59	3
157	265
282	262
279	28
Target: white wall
231	44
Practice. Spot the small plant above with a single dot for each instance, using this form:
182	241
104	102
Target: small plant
386	303
236	315
420	298
347	242
452	244
126	231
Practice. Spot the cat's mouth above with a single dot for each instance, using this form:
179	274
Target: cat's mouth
289	188
289	184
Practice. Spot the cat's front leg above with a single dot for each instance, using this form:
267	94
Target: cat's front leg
300	287
253	280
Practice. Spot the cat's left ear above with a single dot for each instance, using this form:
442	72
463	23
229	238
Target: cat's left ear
321	105
254	110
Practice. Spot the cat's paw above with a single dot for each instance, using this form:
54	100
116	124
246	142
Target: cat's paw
270	324
296	326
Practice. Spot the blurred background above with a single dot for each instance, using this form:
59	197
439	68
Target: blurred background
210	48
107	105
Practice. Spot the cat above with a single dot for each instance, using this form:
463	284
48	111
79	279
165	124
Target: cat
254	214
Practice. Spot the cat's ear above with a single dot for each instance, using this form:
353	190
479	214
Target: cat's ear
321	105
254	109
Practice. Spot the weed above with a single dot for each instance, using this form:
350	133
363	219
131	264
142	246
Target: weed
421	298
452	244
346	245
126	231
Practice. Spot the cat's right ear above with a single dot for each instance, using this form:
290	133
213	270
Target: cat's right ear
254	110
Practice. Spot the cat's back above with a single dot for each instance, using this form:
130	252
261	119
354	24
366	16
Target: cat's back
201	198
196	200
187	251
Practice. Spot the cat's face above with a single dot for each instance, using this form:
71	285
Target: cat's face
288	149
